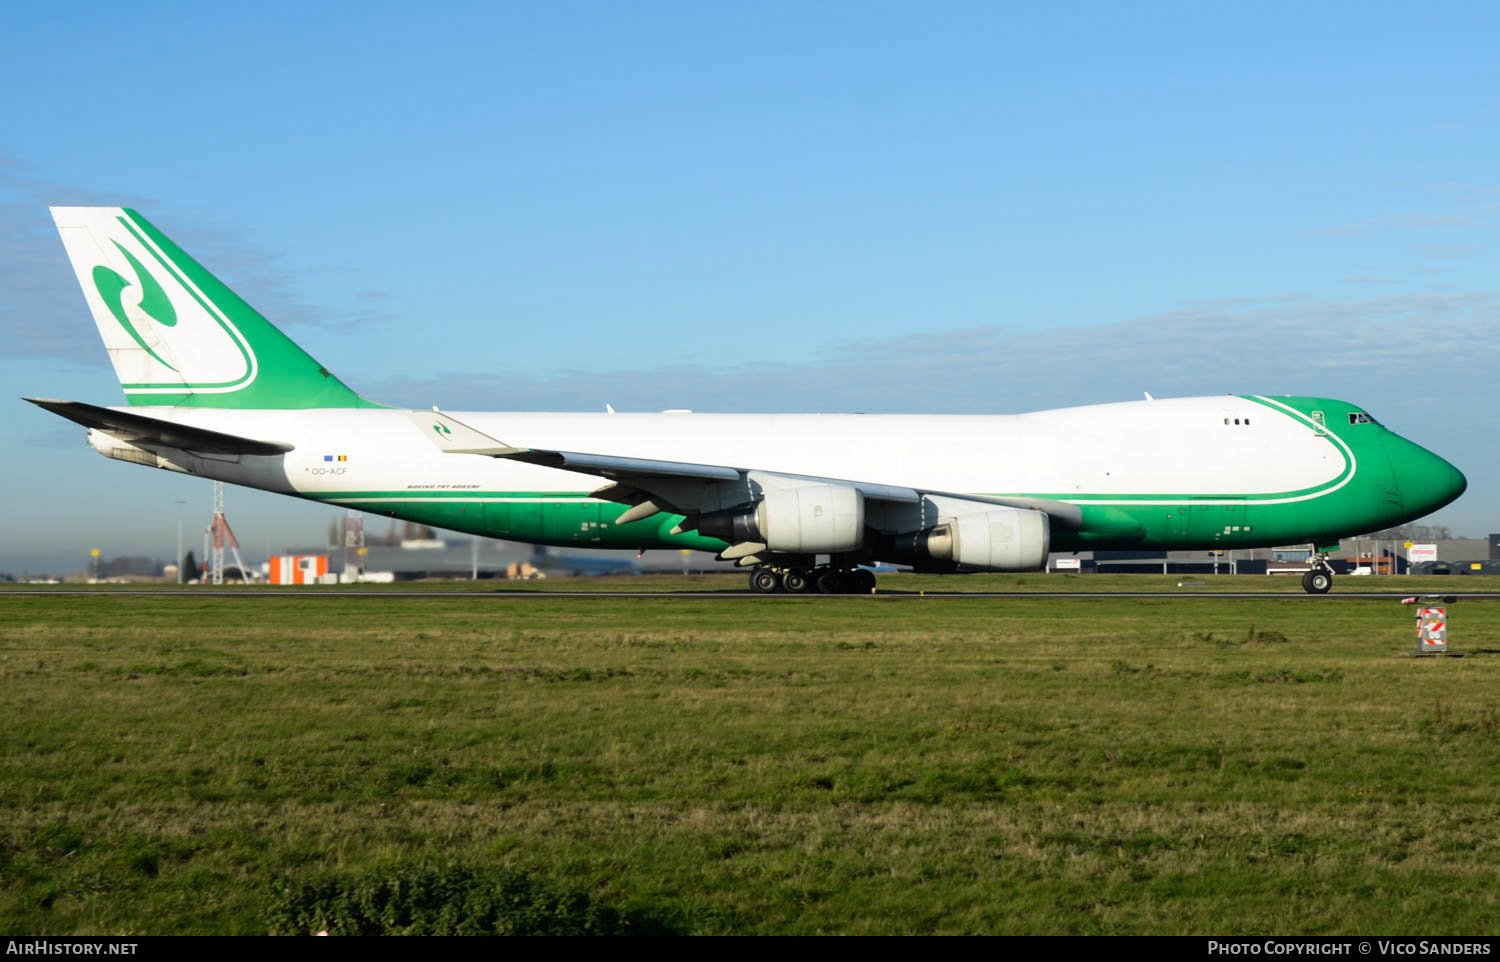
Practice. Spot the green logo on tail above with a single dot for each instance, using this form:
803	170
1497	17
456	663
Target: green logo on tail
442	430
154	300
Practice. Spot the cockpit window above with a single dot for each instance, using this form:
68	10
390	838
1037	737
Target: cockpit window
1360	417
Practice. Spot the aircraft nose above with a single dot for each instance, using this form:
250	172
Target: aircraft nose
1453	482
1426	481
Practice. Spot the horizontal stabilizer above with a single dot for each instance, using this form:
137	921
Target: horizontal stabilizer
139	428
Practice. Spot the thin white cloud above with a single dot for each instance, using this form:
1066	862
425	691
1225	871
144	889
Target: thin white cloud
42	313
1394	222
1275	345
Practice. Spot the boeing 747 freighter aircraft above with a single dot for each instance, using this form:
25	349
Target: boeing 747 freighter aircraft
802	500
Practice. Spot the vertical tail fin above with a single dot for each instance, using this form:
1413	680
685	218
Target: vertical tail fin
175	333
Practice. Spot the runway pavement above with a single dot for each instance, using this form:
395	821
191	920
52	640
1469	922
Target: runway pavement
511	594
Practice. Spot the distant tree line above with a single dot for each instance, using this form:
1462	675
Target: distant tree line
1419	533
116	567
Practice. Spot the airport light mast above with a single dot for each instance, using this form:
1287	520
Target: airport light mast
222	538
354	545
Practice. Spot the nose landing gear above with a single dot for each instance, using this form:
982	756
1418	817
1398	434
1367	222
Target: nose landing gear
1319	579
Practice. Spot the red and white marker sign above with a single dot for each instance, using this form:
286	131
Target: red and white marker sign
1432	629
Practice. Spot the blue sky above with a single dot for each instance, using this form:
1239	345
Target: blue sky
957	207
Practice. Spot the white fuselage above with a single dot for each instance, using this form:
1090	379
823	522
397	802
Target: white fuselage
1129	449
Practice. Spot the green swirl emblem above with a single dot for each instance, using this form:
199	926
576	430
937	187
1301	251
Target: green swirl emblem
154	301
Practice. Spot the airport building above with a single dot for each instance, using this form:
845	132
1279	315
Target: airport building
460	557
1362	555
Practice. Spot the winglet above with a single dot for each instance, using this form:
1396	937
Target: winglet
455	437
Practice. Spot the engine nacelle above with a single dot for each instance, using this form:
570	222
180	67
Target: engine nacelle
1003	539
816	519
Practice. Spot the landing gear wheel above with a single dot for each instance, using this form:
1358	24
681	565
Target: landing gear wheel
795	582
862	581
1317	581
764	580
831	582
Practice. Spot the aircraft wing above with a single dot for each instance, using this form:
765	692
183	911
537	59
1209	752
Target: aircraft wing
139	428
686	488
610	466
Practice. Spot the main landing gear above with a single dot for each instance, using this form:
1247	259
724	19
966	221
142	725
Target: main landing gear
824	580
1319	579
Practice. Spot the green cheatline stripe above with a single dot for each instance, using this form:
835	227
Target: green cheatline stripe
438	495
212	312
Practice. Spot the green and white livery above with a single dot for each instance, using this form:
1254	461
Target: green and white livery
803	500
176	335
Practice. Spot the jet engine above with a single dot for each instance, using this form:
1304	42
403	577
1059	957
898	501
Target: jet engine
1001	539
816	519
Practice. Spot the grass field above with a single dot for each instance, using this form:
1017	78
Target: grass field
903	583
176	764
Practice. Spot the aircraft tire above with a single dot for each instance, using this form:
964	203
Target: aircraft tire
795	581
1317	582
831	582
862	581
764	581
